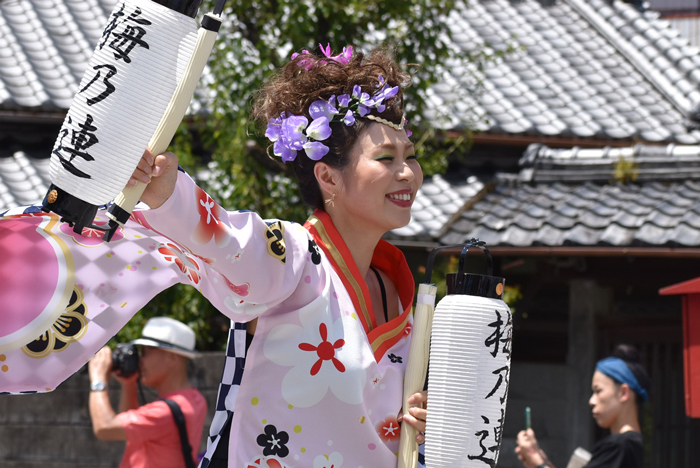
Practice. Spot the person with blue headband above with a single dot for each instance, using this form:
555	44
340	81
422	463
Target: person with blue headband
620	386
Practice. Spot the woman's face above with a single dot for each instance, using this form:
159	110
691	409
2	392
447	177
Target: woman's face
605	401
381	182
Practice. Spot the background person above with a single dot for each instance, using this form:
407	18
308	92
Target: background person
620	386
151	434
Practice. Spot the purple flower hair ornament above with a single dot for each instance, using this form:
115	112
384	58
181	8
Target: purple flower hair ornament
322	108
349	118
283	152
344	100
315	150
292	133
319	129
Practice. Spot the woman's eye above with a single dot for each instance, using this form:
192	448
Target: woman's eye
385	158
413	156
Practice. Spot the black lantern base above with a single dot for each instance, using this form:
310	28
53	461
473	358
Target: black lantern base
78	213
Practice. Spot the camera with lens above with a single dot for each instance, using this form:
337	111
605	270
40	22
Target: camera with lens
125	359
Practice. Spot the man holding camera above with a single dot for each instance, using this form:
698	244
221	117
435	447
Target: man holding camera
155	435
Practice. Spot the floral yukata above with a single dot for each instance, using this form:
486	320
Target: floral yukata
323	383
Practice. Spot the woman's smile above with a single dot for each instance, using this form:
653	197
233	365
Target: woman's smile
402	198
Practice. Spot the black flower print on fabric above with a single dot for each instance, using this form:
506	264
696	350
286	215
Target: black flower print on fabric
395	358
273	442
315	252
70	327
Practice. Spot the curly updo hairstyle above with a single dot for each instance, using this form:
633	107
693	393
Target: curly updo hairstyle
308	78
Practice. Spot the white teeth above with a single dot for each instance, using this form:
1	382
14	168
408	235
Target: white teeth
400	196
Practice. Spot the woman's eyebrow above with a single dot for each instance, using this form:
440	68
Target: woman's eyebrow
392	146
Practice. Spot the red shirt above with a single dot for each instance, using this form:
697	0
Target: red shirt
152	437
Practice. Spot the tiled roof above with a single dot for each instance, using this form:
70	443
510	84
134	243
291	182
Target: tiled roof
661	213
641	163
23	180
586	68
44	48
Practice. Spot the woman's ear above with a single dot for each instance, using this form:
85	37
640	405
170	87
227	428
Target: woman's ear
329	179
625	392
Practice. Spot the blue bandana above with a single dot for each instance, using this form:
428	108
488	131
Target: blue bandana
617	369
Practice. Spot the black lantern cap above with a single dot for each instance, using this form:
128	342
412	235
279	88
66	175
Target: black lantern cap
469	283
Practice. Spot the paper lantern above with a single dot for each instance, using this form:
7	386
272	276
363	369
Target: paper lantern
135	72
469	368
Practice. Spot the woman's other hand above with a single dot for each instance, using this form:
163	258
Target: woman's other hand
160	173
528	449
416	414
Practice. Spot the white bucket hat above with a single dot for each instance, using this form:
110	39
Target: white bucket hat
168	334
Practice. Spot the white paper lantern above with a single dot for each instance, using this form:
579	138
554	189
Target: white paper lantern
469	373
127	86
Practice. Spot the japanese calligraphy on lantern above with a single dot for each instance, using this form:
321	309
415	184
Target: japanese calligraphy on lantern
468	381
490	432
127	85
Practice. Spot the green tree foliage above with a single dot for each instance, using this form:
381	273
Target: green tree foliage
257	38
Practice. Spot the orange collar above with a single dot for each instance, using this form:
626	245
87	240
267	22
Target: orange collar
386	258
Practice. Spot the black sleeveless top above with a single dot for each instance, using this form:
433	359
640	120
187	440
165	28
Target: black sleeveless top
383	289
625	450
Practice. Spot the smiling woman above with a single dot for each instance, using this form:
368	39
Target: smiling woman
332	300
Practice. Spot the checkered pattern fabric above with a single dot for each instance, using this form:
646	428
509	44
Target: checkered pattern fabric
228	388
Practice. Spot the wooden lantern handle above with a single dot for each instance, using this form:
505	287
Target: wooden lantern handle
174	113
416	369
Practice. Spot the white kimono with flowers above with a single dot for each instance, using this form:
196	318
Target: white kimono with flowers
323	383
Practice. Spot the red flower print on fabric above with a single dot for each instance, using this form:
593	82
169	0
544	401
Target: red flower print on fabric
266	462
389	429
325	351
187	265
208	261
407	329
242	290
210	225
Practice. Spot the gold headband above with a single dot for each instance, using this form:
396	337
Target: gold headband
386	122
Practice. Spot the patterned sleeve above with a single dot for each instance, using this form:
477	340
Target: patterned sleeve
260	261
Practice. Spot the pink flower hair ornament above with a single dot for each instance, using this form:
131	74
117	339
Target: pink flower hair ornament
292	133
